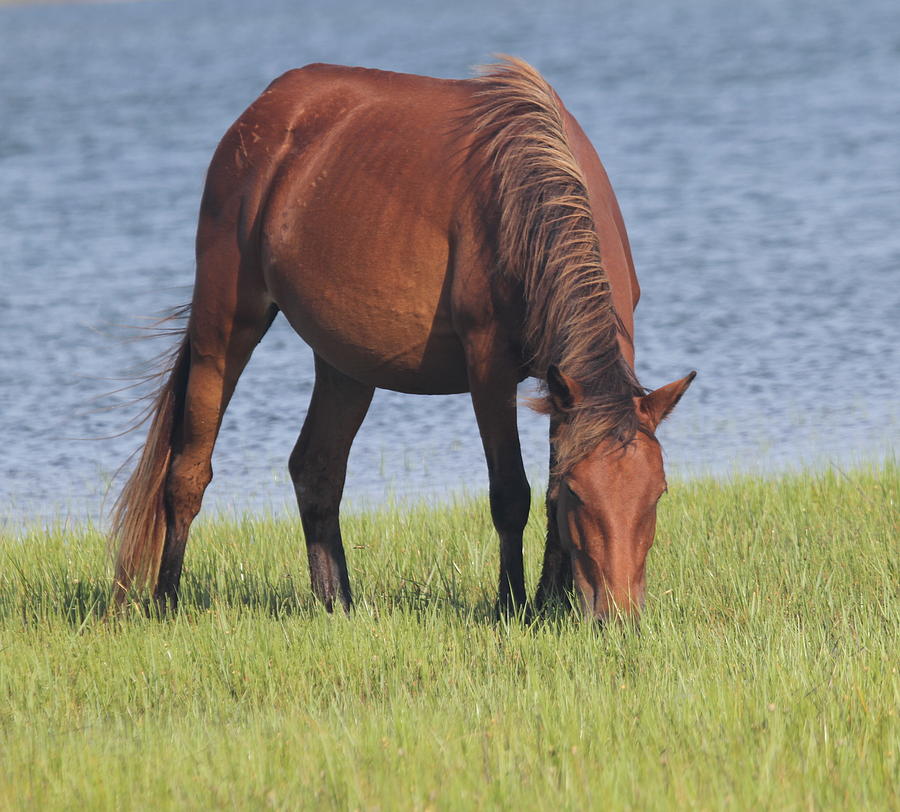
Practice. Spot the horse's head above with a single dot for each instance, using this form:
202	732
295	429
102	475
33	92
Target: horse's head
606	503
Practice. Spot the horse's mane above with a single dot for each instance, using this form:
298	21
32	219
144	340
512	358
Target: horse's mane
547	239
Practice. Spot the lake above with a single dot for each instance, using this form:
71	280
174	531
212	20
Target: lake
754	148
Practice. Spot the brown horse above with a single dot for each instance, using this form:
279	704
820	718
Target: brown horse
426	236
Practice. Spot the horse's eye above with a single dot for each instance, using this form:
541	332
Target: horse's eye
574	495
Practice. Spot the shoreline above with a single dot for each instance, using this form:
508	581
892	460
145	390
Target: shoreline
18	521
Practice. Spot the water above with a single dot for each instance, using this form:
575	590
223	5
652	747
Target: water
753	147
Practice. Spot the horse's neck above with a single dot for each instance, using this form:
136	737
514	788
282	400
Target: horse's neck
610	227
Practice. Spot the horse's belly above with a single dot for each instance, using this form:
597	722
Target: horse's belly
383	346
378	312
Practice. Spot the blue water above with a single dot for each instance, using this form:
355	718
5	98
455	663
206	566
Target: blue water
754	148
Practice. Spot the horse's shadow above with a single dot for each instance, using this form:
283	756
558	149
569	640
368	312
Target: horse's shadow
82	603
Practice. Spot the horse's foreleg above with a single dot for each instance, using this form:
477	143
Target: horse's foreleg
318	467
492	382
556	574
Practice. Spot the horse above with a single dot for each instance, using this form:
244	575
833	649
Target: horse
428	236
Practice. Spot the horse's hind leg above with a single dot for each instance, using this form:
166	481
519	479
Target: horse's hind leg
230	315
318	467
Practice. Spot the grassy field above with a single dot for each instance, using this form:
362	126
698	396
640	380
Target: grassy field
764	673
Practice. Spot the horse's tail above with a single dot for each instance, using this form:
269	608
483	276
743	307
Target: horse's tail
139	514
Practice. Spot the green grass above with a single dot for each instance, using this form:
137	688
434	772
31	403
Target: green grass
764	672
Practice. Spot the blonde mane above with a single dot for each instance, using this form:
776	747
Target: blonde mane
547	239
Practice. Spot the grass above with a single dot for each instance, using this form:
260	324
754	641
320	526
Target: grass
764	672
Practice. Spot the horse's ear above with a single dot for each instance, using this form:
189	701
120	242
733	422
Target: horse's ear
657	404
564	391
